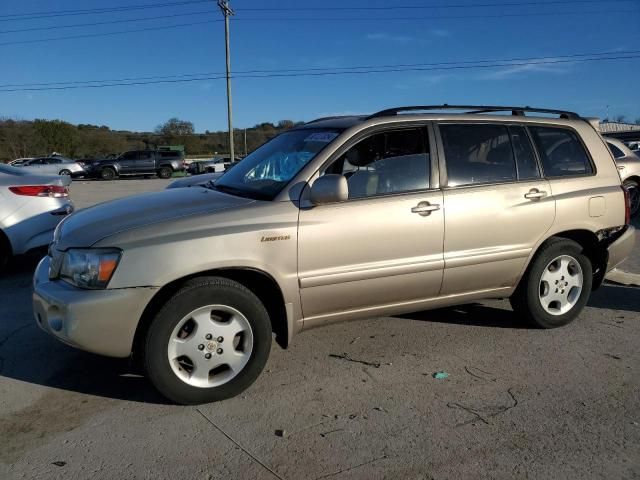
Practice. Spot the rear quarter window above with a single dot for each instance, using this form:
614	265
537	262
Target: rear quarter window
561	152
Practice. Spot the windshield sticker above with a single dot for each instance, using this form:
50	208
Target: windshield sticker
325	137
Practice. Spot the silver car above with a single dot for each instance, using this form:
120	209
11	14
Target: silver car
31	206
53	166
628	164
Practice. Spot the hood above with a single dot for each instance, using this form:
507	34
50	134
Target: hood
195	180
86	227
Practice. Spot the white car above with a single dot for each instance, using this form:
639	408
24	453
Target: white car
53	166
31	206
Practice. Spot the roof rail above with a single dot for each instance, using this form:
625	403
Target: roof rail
518	111
326	118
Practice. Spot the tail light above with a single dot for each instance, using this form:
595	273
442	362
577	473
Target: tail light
54	191
627	206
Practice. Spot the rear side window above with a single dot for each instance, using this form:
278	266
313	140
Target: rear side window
561	152
525	158
145	155
169	154
477	154
617	153
130	156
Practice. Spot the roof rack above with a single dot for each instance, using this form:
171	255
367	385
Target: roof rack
517	111
333	117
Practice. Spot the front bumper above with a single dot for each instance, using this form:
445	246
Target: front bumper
98	321
620	249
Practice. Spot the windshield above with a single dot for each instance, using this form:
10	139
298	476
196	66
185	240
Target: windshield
266	171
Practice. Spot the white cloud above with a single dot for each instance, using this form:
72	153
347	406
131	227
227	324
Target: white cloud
523	69
388	37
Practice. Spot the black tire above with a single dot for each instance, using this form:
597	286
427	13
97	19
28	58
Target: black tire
165	172
526	299
65	172
197	293
634	196
107	173
5	252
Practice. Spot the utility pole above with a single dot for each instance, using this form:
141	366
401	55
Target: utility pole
227	12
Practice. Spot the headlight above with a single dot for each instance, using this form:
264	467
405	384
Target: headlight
89	268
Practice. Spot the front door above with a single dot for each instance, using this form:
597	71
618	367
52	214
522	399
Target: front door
380	251
497	206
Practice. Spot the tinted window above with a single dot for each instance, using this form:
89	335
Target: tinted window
525	158
617	153
169	154
145	155
478	154
52	161
389	162
561	152
130	156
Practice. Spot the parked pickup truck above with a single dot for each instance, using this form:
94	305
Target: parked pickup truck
138	162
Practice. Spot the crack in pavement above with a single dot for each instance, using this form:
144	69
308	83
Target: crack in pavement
345	356
485	413
351	468
255	459
8	336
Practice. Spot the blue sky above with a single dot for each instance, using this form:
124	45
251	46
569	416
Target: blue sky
271	43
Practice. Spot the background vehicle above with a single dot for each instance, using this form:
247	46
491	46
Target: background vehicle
139	162
629	167
19	161
339	219
31	206
217	164
53	166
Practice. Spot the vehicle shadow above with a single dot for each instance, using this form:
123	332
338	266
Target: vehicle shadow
616	297
30	355
474	314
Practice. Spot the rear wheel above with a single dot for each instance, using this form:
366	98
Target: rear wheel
165	172
65	172
209	342
5	252
634	196
108	173
556	286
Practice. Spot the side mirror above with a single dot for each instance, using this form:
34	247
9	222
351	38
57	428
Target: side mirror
330	188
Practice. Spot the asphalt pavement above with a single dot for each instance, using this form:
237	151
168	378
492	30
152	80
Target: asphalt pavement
356	400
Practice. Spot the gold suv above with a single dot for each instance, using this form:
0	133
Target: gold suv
337	219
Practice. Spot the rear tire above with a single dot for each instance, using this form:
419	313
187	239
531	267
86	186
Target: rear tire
107	173
211	316
634	196
65	172
165	172
556	286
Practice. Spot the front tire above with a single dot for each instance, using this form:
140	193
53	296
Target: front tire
634	196
107	173
209	342
556	286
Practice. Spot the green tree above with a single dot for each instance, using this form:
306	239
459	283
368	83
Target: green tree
56	135
175	126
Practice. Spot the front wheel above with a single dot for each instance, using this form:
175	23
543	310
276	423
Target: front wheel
165	172
634	196
556	286
209	342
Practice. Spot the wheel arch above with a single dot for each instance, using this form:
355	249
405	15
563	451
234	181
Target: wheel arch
262	284
594	250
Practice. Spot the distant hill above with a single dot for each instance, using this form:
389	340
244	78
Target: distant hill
21	138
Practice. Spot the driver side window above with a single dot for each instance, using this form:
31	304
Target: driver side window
385	163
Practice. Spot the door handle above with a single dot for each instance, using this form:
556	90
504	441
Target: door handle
535	194
425	208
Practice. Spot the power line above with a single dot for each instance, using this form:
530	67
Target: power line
431	7
287	19
91	35
321	69
336	72
93	11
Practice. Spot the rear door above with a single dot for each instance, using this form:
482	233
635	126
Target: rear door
497	205
146	162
